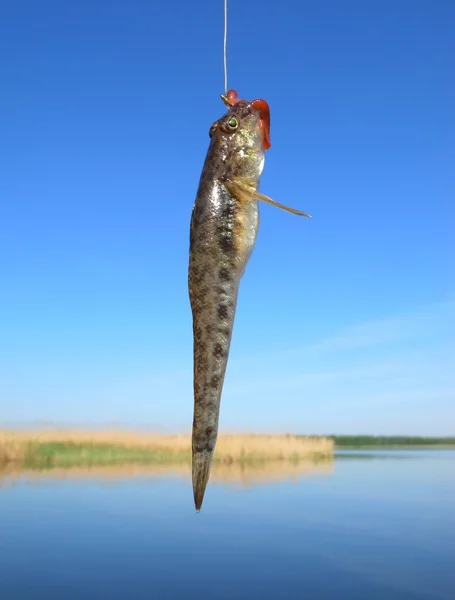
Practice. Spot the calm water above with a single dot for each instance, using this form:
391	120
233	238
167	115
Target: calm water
377	525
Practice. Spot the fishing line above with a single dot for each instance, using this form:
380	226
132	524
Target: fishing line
225	47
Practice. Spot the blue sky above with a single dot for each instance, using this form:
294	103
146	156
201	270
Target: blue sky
345	323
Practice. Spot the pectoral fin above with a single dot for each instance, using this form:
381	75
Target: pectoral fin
268	200
243	191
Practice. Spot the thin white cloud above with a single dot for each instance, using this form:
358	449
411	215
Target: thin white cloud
427	321
398	371
389	373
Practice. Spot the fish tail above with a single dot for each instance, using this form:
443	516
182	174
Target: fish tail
213	319
202	461
207	396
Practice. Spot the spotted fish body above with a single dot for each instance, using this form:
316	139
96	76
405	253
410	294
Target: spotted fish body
224	226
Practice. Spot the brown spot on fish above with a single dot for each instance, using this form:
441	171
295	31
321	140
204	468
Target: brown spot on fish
222	311
218	351
226	242
201	294
224	274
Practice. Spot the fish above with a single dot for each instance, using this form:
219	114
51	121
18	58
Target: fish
223	230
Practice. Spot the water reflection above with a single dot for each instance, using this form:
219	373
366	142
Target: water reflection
344	530
394	454
242	475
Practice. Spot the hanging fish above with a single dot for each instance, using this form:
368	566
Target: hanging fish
224	225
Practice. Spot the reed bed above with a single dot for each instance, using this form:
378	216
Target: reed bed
65	447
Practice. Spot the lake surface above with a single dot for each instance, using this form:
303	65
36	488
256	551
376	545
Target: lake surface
369	526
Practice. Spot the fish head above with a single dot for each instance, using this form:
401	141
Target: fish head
242	135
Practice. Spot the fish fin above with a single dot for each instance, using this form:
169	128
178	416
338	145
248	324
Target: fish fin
244	191
201	473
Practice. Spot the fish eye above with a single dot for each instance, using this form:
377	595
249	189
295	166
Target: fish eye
233	123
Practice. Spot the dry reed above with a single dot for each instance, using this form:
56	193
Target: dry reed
14	444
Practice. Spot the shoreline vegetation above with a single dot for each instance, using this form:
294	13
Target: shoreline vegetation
390	441
36	449
71	448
